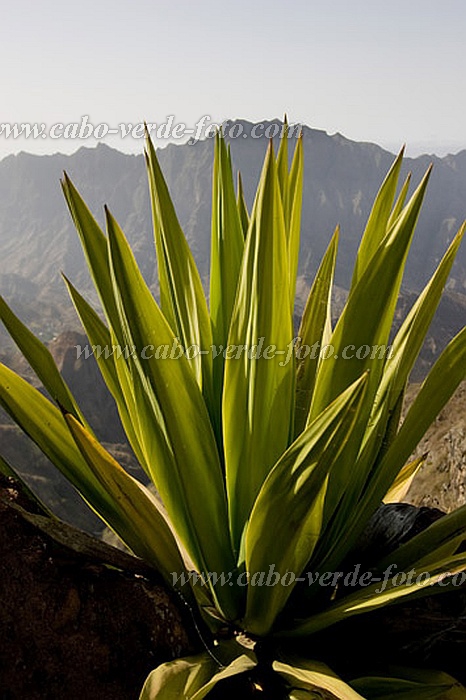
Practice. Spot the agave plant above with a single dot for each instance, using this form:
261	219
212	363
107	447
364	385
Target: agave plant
270	450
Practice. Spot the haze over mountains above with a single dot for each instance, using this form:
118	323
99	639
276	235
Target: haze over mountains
37	239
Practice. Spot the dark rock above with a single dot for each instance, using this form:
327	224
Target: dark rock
72	626
392	525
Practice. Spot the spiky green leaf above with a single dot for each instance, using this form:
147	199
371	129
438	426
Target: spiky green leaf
379	218
185	464
142	525
40	359
316	317
287	516
258	389
181	295
314	677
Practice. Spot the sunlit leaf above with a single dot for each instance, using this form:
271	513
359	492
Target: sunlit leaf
313	676
185	461
286	520
259	389
316	316
181	295
400	487
40	359
138	520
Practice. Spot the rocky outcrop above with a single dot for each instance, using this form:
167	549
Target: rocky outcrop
441	482
78	619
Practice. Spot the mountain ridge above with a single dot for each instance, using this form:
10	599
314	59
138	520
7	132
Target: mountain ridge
37	238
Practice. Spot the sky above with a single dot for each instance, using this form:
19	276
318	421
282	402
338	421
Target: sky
387	72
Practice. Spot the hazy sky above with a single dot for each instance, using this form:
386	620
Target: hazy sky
373	70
